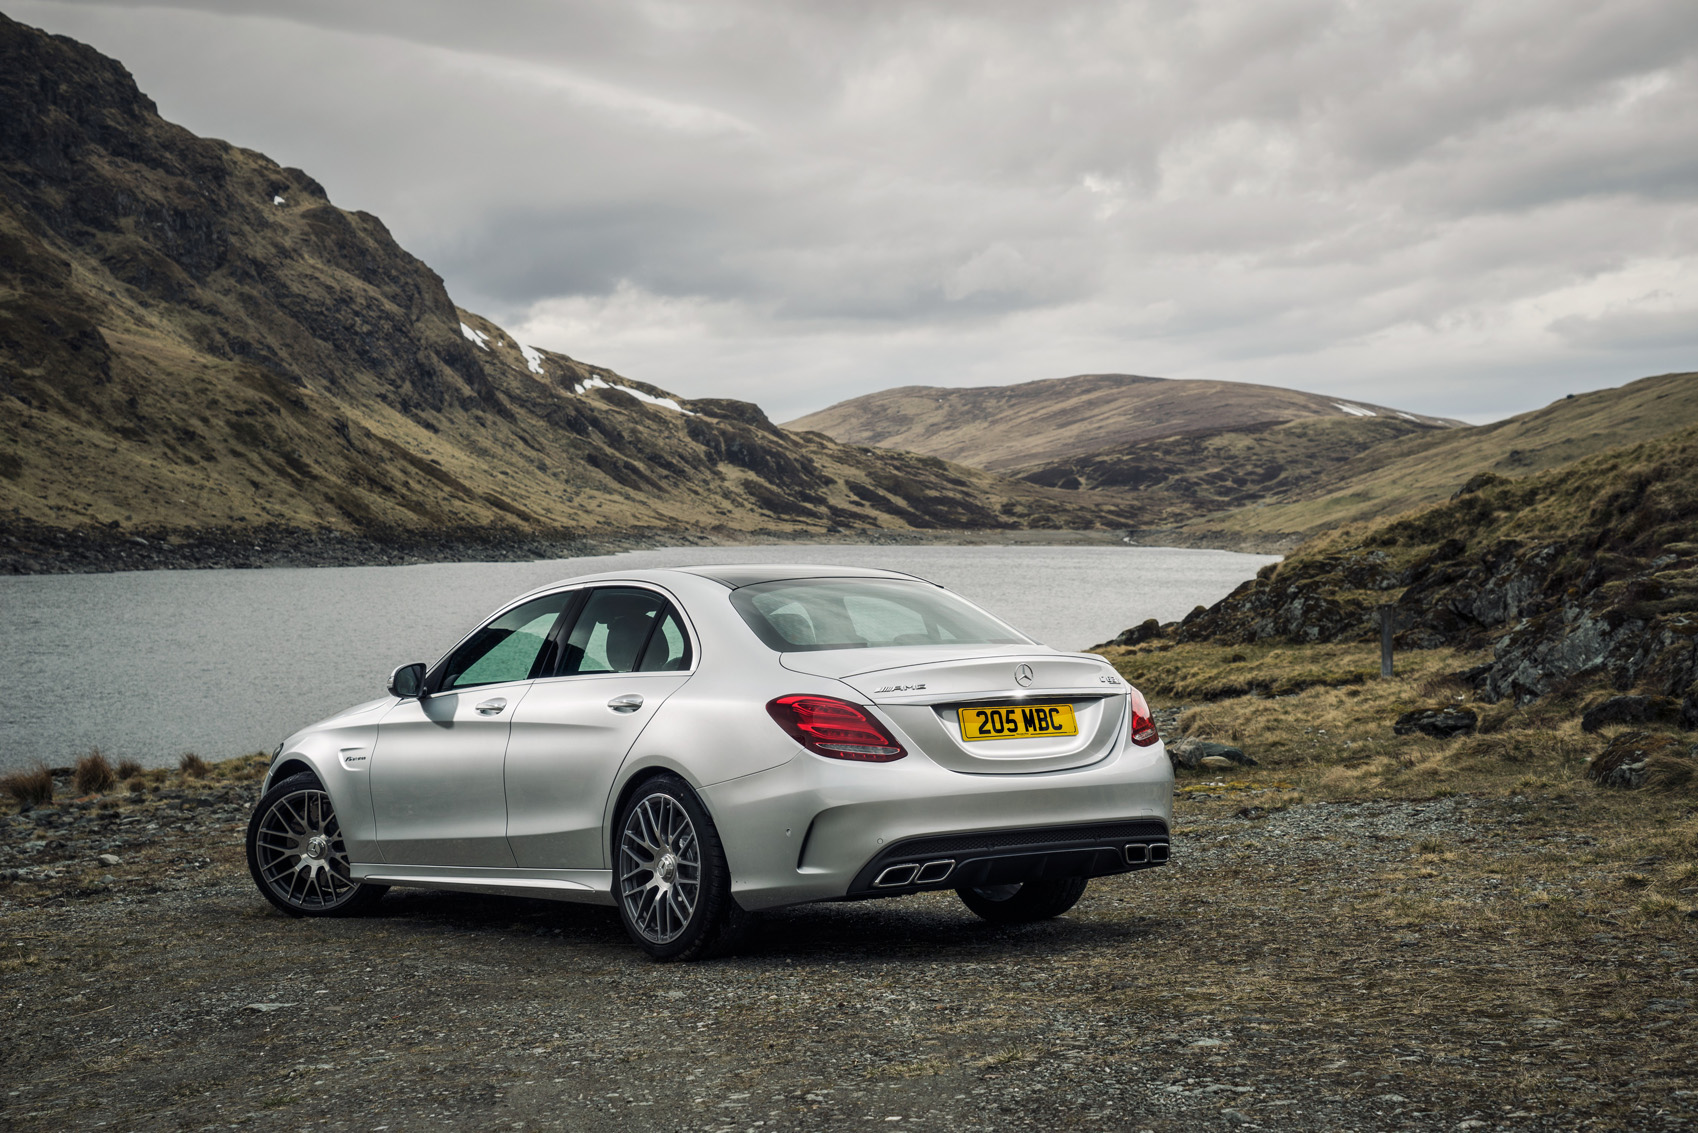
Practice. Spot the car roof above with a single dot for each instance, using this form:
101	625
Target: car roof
731	575
735	575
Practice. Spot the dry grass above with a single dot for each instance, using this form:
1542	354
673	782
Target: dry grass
129	769
1331	735
193	766
1193	672
33	787
93	774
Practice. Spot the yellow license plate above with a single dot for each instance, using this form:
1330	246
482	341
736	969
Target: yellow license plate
1022	722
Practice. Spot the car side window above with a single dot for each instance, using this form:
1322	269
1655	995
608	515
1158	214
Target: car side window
511	648
669	647
625	631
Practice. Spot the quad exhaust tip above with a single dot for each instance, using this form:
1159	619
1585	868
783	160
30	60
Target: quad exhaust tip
934	871
913	873
1142	853
895	875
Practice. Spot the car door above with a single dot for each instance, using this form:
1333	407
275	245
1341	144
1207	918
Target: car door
437	787
627	651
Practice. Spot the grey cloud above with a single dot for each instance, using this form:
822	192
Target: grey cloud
951	191
1631	329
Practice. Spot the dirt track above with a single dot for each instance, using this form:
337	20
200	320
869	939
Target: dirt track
1312	969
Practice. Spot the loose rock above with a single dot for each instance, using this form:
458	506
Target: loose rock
1191	753
1632	710
1441	722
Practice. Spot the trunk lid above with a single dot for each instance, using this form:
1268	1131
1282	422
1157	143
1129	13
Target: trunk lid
922	691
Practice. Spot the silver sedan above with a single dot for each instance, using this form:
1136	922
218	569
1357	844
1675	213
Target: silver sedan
692	746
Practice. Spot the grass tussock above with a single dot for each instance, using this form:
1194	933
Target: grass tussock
93	774
129	768
33	787
1667	773
193	766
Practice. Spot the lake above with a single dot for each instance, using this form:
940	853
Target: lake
150	664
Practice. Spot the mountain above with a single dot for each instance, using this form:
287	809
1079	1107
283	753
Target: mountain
1177	479
1042	423
194	338
1426	468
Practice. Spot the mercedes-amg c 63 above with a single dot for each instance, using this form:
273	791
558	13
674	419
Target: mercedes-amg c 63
694	745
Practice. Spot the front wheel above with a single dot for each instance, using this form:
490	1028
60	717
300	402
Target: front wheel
296	854
674	886
1026	901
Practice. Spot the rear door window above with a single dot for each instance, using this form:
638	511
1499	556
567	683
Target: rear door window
625	630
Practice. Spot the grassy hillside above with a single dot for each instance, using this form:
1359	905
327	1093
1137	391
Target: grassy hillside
1423	469
193	337
1172	480
1048	422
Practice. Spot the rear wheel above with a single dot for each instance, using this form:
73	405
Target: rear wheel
296	853
1026	901
673	884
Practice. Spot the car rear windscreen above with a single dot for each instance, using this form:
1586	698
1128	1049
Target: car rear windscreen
805	614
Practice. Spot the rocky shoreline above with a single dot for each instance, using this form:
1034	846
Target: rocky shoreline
40	550
28	549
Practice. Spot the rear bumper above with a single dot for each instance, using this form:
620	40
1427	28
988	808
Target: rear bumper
1004	857
820	829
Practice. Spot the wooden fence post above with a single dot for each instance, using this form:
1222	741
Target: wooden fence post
1388	617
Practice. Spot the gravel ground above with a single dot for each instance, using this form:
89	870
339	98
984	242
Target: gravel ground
1449	964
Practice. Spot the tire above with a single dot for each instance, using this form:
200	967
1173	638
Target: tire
296	854
671	882
1025	902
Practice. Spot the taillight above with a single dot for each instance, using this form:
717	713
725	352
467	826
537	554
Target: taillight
1143	727
835	728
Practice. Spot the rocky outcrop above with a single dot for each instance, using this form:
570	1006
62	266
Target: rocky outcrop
1584	576
1147	630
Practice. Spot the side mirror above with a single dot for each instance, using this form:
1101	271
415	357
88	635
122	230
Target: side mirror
407	682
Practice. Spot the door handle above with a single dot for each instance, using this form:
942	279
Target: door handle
630	702
492	707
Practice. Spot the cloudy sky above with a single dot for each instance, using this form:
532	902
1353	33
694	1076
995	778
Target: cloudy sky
1463	208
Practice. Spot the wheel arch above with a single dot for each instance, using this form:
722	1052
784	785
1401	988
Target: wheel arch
290	766
629	787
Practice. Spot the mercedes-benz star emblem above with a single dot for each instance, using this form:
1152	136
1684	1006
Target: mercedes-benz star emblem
1023	674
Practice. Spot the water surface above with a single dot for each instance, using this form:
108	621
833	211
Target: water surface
150	664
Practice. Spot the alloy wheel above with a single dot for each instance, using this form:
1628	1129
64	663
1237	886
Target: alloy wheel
660	876
299	852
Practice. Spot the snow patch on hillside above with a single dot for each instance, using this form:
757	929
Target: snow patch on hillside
533	358
477	337
1355	410
598	382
